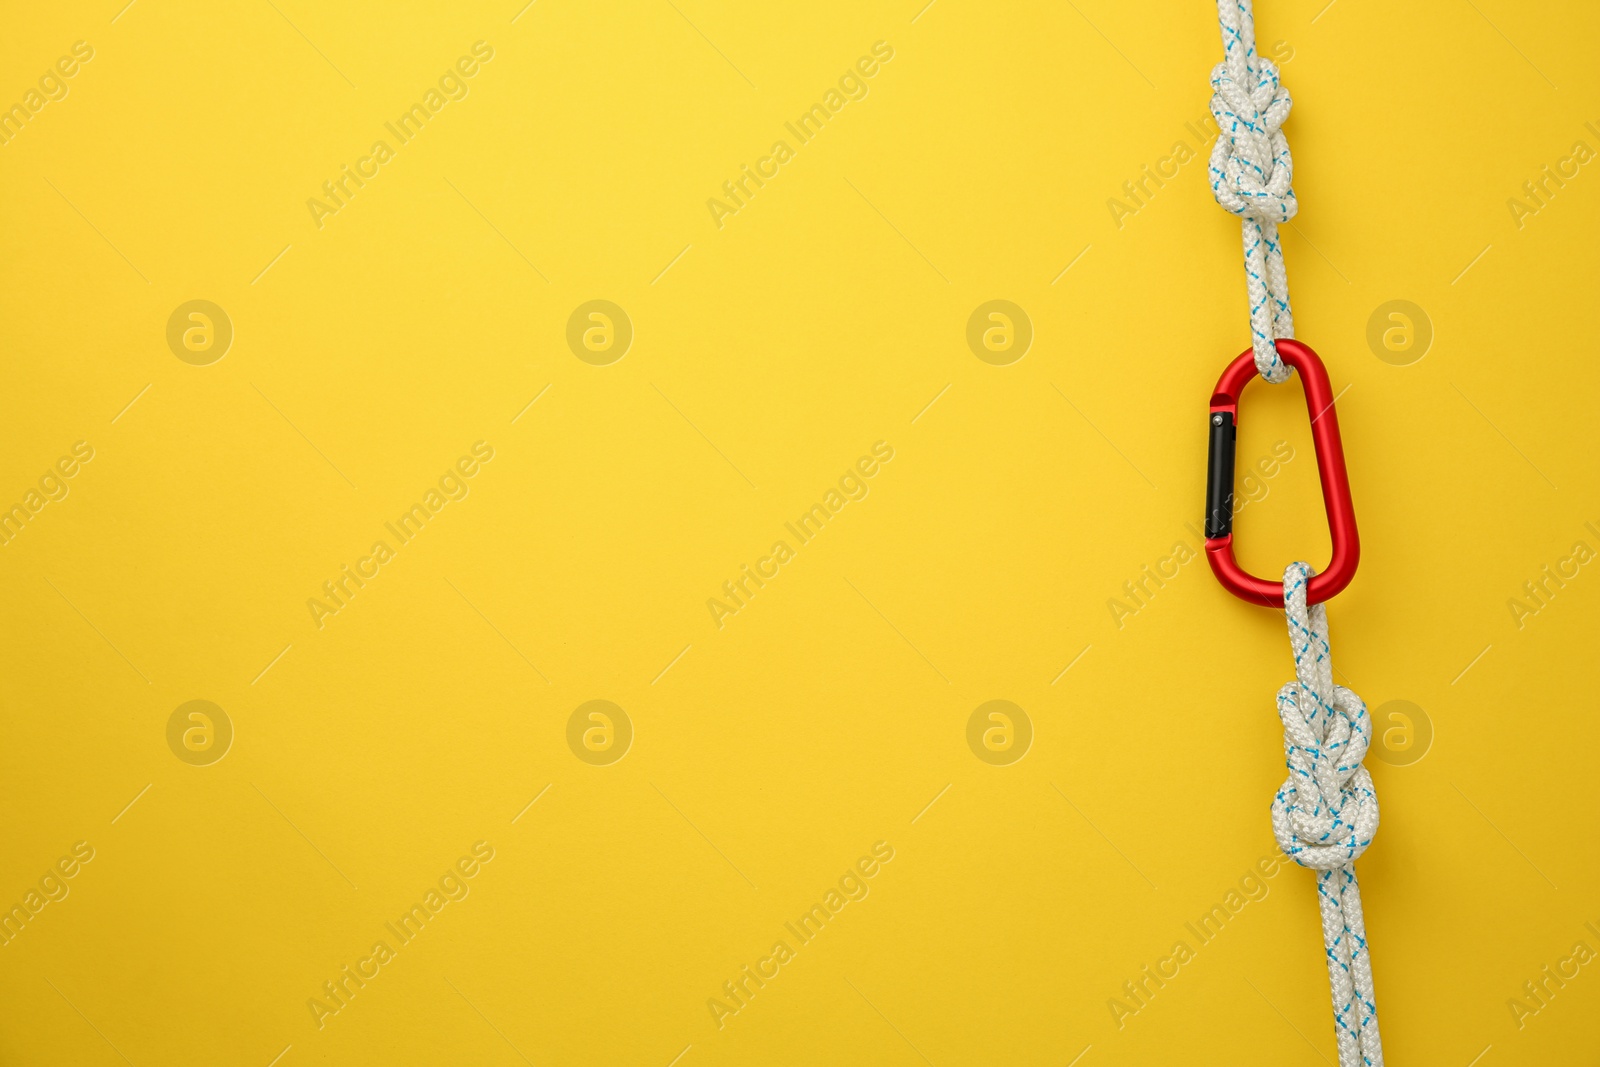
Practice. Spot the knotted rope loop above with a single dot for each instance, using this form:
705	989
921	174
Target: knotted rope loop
1251	176
1326	813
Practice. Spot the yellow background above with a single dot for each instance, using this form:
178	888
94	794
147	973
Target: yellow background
768	355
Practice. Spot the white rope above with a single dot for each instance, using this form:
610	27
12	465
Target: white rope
1251	175
1326	812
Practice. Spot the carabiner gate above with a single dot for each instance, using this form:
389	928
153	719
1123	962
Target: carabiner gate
1330	470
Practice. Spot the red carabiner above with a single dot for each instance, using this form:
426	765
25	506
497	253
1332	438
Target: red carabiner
1330	469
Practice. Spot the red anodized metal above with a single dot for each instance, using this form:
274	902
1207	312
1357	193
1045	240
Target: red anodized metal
1330	469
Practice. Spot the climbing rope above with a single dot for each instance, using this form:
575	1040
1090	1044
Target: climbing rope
1251	175
1326	812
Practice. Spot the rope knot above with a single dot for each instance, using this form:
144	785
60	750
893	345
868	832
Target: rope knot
1252	176
1326	812
1251	169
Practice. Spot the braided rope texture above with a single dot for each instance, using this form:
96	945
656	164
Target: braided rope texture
1326	813
1251	175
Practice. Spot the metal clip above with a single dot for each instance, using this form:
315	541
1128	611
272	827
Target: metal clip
1330	469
